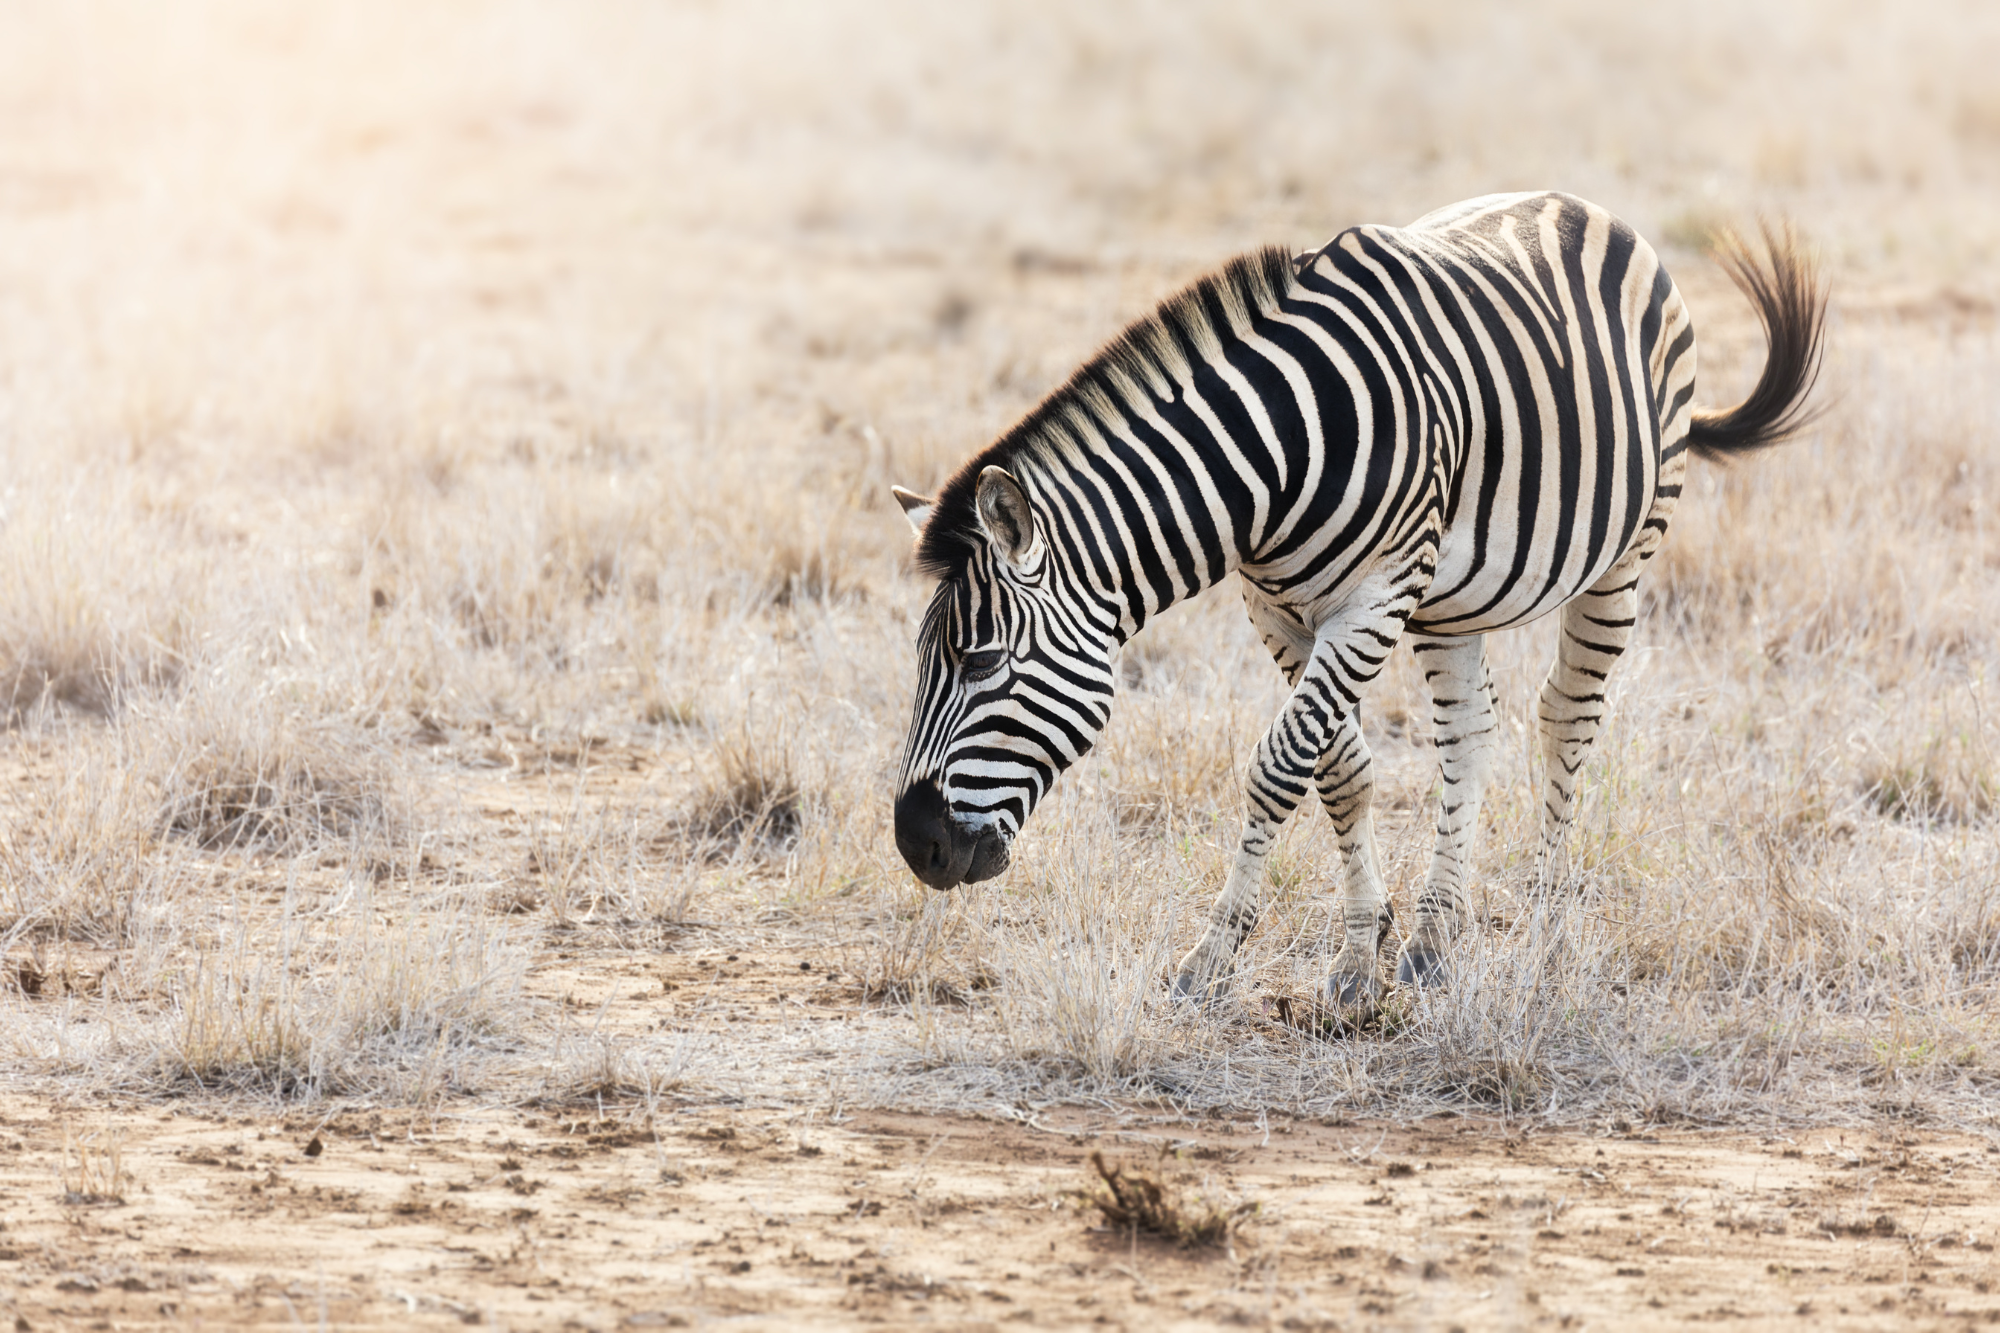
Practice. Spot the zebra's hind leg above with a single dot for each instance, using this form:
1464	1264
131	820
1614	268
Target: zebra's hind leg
1596	626
1467	737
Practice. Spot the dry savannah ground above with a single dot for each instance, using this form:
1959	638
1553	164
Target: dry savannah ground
455	639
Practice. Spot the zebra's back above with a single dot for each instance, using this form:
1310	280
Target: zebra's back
1540	364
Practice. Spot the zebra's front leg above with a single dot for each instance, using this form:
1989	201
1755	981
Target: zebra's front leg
1467	738
1314	743
1281	773
1595	629
1205	968
1346	780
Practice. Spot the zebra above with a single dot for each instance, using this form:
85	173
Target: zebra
1420	434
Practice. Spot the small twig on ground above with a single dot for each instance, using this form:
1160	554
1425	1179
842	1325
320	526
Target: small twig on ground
1137	1200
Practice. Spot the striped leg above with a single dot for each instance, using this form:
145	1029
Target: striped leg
1315	742
1596	626
1345	777
1467	737
1595	629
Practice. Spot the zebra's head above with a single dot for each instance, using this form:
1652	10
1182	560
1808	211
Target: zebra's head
1014	679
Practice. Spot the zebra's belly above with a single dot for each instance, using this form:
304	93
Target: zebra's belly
1508	574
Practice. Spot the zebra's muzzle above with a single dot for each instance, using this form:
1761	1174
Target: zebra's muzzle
943	851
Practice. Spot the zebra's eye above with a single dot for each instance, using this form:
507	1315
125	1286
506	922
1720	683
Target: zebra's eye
980	665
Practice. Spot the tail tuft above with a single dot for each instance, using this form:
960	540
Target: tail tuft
1790	302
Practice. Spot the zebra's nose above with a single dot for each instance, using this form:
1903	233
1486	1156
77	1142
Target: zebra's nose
924	835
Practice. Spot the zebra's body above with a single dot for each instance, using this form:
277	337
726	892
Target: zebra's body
1434	432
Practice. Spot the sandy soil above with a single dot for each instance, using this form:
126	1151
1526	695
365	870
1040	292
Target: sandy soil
560	1221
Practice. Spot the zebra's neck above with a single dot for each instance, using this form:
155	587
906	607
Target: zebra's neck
1159	466
1129	561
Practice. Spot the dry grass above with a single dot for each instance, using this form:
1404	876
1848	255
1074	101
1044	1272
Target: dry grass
93	1168
399	1008
92	604
283	782
83	860
445	530
747	795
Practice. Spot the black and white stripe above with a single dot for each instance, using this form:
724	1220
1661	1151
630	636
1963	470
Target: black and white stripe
1428	432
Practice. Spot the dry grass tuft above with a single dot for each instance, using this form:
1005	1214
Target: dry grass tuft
93	1168
748	796
603	1071
1512	1086
278	782
240	1027
398	1008
1135	1200
1947	777
80	860
1882	1225
89	608
921	952
590	861
803	571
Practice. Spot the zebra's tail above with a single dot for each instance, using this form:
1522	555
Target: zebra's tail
1790	302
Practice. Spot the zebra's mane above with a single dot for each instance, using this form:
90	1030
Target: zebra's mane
1155	357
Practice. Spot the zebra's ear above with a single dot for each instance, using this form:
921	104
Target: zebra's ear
916	508
1006	517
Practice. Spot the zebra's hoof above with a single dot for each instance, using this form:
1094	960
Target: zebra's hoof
1190	989
1421	967
1353	990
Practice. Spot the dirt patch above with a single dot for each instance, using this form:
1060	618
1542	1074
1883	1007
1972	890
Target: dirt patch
540	1221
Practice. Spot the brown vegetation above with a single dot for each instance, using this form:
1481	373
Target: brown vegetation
1136	1200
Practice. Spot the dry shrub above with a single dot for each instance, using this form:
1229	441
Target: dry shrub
81	860
93	602
389	1007
1133	1199
253	771
748	795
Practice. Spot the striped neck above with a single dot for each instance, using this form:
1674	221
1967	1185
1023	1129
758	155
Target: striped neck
1136	465
1124	563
